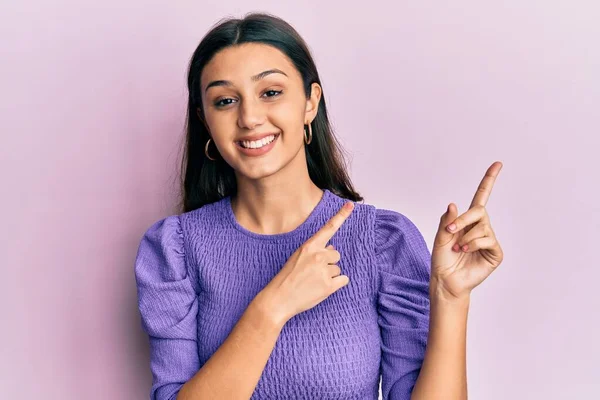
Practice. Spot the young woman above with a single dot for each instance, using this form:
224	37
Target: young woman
275	282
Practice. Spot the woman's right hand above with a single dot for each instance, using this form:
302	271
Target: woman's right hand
310	275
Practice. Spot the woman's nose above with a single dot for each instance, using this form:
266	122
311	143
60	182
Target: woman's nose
252	113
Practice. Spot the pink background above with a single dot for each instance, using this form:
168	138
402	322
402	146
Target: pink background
425	96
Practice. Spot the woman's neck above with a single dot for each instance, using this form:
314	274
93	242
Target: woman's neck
276	208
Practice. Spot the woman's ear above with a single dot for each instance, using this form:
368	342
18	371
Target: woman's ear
312	103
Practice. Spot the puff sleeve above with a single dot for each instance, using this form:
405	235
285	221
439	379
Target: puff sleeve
168	306
404	264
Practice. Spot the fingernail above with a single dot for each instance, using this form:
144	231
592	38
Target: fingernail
349	205
451	227
465	247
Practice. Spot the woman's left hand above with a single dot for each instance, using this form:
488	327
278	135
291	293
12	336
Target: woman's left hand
464	257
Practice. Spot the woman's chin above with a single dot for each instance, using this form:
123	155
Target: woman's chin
258	171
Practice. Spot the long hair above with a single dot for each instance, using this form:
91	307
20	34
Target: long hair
205	181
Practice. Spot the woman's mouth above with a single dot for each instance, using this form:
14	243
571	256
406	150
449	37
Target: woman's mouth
257	147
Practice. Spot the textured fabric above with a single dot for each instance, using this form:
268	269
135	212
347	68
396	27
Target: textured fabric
197	272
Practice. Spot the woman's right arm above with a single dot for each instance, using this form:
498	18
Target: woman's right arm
234	370
168	305
308	277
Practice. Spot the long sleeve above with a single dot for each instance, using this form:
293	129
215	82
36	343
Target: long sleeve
168	305
404	264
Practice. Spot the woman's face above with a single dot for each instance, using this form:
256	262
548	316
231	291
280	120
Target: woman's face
241	101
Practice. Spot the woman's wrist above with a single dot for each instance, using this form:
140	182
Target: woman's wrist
439	294
267	304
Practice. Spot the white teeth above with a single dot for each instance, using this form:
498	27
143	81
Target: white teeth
256	144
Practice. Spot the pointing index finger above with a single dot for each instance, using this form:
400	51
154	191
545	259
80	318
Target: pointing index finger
324	234
485	187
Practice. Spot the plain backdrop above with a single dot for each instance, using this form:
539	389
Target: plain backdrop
424	96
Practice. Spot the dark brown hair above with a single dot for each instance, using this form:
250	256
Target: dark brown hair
205	181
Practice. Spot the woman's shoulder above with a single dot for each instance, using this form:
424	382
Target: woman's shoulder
180	223
385	221
388	221
389	224
208	217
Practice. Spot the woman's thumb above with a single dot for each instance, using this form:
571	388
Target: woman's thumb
450	215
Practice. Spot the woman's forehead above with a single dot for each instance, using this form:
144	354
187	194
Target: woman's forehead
246	61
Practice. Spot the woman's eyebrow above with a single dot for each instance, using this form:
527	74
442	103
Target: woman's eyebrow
254	78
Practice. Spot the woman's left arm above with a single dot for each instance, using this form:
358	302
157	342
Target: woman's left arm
444	371
465	252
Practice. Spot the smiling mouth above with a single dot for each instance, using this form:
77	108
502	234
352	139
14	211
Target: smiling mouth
257	144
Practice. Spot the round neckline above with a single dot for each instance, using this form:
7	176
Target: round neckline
311	217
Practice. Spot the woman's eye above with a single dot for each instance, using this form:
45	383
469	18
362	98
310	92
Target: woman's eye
221	104
276	92
227	101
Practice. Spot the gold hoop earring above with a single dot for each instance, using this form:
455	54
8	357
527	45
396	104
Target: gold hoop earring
307	141
206	151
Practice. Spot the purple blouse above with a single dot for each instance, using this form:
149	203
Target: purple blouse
197	272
